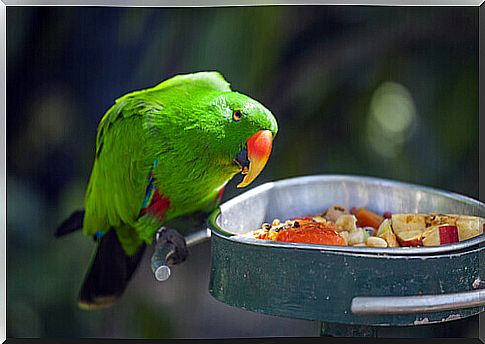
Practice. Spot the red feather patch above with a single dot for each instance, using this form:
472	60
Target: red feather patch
157	207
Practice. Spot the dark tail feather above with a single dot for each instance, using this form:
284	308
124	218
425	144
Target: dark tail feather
71	224
109	273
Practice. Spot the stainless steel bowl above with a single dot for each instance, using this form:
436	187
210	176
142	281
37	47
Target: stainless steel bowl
352	285
301	196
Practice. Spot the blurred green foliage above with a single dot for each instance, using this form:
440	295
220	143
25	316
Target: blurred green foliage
381	91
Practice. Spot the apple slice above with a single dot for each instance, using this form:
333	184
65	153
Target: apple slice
448	234
385	232
440	235
469	226
408	222
409	228
410	238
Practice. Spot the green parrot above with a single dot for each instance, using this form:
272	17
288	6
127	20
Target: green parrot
163	153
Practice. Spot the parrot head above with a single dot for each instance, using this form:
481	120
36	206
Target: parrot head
242	132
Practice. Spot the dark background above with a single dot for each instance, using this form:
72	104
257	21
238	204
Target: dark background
380	91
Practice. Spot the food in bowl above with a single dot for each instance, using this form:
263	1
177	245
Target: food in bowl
361	227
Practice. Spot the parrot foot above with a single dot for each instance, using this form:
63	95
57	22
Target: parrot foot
170	249
173	244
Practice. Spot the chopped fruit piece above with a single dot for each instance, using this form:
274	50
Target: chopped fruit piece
368	218
346	223
410	238
431	237
408	222
334	212
409	228
469	227
440	235
356	237
315	235
385	232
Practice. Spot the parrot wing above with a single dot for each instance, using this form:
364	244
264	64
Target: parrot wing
125	155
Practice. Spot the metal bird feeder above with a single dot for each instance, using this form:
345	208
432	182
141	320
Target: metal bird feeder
351	290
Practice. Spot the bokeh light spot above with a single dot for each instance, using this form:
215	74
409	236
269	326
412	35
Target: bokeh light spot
392	114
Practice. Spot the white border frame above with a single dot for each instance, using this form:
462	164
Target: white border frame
145	3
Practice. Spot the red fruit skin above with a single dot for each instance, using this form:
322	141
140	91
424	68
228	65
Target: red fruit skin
448	234
410	243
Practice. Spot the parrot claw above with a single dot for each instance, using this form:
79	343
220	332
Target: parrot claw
168	237
170	249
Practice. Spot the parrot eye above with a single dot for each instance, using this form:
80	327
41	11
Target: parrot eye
236	115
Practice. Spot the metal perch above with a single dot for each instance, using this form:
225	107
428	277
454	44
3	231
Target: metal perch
163	251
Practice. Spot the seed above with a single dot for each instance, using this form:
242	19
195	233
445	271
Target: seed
266	226
319	219
296	224
376	242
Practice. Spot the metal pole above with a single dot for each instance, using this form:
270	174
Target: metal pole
161	257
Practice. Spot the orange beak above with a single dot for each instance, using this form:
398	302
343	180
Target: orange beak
259	149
